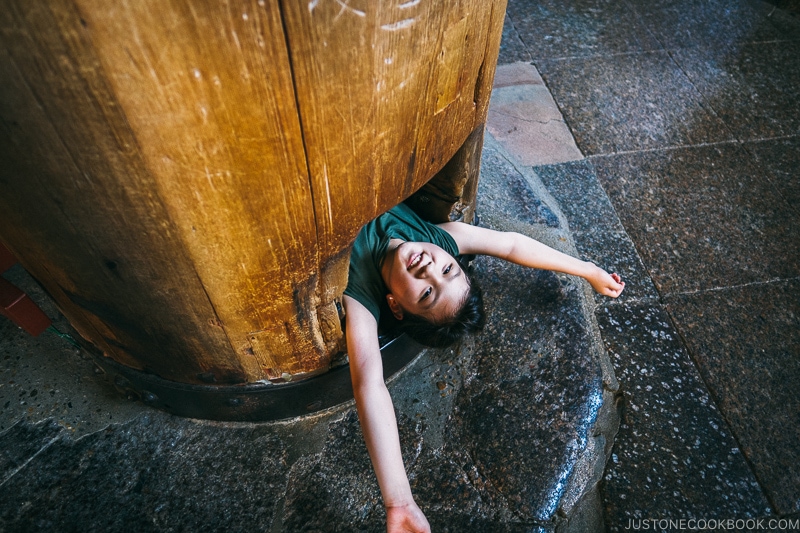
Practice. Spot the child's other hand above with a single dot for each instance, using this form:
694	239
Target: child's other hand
605	283
406	519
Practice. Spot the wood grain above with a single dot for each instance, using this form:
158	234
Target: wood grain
186	178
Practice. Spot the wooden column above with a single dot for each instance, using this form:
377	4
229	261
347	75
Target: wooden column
186	177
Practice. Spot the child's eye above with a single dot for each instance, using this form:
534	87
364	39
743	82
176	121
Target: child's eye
447	270
426	294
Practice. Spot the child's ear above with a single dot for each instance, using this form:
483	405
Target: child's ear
397	311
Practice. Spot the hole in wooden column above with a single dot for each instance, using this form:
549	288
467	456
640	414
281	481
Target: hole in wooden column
450	195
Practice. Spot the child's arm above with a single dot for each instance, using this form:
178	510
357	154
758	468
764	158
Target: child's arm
378	423
525	251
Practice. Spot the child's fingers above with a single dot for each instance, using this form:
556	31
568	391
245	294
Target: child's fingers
618	291
608	284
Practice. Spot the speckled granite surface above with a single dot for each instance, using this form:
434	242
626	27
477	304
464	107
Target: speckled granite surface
747	346
47	377
687	112
713	220
669	111
152	473
593	221
674	452
674	455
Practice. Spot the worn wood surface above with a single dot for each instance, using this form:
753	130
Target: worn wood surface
80	208
186	177
402	83
218	126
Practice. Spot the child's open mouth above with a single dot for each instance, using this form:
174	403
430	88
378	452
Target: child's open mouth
415	259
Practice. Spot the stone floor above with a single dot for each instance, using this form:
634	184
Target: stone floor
659	139
688	115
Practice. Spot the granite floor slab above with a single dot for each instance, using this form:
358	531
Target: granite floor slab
154	472
709	64
750	86
674	456
634	102
715	23
512	49
598	233
781	159
746	341
524	118
551	29
703	217
47	377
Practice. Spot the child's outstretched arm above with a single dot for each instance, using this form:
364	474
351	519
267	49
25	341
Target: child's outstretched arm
525	251
378	423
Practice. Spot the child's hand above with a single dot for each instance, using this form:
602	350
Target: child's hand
605	283
406	519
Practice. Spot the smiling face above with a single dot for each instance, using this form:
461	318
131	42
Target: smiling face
423	280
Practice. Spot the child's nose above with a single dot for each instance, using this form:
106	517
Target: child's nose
424	271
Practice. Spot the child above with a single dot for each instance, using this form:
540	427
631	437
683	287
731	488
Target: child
407	267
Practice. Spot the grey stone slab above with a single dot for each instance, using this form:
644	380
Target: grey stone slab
580	196
156	473
781	159
703	217
503	189
47	377
700	24
21	442
336	490
526	121
598	234
456	494
518	73
749	86
792	7
524	417
615	253
512	49
746	342
636	102
552	29
674	455
460	498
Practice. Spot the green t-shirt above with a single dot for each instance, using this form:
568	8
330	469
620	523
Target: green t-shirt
364	282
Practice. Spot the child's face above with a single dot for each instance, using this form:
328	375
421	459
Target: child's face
423	280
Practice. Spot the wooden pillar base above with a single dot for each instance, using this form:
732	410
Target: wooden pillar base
257	402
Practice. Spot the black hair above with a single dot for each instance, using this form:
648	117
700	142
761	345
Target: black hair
469	319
